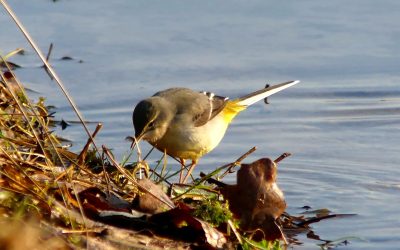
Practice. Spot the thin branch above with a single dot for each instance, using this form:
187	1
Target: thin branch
282	157
237	162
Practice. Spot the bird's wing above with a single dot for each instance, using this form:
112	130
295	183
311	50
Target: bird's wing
215	105
199	107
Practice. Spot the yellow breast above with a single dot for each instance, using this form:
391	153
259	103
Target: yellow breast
184	140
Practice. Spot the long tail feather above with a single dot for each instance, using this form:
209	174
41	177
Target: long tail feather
256	96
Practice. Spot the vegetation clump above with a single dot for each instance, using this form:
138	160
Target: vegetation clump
213	211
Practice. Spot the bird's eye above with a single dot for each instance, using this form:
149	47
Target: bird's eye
150	125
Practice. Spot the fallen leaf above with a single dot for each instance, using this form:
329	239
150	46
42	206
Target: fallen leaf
256	199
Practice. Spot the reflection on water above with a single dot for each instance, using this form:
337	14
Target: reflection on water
341	122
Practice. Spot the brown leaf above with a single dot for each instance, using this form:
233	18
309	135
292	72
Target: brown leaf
214	237
256	199
181	223
147	203
95	202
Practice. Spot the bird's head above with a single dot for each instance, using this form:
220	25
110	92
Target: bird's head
151	119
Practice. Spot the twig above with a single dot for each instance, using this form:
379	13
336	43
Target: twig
282	156
154	171
47	59
12	53
241	158
159	177
214	181
94	230
147	155
85	149
237	234
221	184
237	162
49	52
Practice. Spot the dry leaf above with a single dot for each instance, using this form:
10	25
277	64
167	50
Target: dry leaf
257	199
147	203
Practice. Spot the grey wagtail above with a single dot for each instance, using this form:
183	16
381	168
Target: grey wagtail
187	124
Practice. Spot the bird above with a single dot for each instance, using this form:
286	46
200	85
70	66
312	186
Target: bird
187	124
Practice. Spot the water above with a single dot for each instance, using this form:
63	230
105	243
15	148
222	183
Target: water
341	122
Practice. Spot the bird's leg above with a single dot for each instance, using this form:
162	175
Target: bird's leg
194	163
182	161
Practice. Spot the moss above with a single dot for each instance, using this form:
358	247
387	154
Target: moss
213	211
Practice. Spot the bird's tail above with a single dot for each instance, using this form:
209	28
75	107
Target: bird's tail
256	96
233	107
